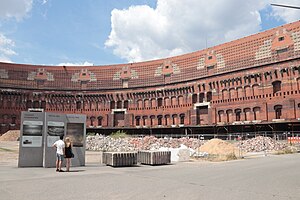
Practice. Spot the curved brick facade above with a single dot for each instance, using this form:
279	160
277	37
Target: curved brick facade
250	82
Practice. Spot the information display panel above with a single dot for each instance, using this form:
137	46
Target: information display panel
31	139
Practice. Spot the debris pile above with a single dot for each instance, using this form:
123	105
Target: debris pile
219	147
12	135
214	146
107	143
261	143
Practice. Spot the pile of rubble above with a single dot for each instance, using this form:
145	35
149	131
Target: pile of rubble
261	143
107	143
12	135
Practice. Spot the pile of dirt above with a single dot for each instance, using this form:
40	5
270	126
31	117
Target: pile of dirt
220	149
12	135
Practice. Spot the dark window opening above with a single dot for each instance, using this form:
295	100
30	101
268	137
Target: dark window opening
210	67
13	120
278	111
201	97
159	120
209	96
276	86
282	50
126	104
181	119
159	102
78	105
280	39
119	104
100	121
238	115
194	98
137	121
112	105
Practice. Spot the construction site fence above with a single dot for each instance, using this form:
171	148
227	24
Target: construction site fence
233	136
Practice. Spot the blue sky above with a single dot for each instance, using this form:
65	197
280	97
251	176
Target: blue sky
103	32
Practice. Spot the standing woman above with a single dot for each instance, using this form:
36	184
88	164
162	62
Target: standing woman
68	153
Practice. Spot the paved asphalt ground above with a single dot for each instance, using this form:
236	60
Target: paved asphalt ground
259	178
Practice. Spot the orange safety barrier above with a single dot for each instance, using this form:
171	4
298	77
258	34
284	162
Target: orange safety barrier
294	139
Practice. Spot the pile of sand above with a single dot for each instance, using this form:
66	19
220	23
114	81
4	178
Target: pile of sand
219	148
12	135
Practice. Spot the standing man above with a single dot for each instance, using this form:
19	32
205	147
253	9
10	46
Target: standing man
60	151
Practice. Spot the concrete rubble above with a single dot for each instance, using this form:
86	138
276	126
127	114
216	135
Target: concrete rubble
261	143
107	143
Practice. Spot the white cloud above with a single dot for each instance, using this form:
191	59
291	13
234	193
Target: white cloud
44	2
286	14
175	27
15	8
11	9
6	46
76	64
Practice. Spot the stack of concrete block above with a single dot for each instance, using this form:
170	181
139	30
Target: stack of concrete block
154	157
119	159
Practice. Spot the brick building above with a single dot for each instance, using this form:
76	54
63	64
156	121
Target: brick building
247	85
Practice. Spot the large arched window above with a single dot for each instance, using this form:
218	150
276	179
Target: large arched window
238	114
145	120
201	97
43	104
159	102
92	120
256	113
248	91
137	120
278	111
220	115
255	90
229	115
100	118
13	119
181	118
174	119
146	103
194	98
126	104
232	93
112	104
247	114
140	103
78	105
159	120
180	100
152	118
224	94
276	86
119	104
167	101
240	93
167	120
208	96
174	101
153	103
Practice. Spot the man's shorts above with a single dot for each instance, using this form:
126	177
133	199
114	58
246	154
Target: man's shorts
59	157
